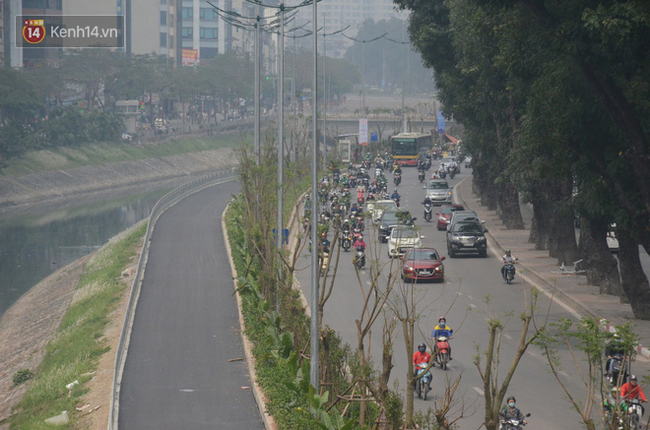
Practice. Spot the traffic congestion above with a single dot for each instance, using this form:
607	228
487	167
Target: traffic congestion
399	233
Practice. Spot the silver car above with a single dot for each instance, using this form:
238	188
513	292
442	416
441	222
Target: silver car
439	191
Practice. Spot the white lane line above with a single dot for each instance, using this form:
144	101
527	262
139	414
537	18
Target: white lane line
563	373
478	390
507	336
473	305
470	297
534	354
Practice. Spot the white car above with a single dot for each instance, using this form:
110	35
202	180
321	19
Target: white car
376	208
401	238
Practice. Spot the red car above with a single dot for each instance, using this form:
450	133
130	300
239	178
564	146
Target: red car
445	214
422	264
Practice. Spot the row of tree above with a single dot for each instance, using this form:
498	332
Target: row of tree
554	100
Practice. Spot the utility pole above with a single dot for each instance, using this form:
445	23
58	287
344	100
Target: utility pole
280	227
315	326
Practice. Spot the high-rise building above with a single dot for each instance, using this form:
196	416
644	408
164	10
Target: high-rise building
334	15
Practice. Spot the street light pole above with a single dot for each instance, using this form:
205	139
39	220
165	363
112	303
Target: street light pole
280	228
258	113
315	331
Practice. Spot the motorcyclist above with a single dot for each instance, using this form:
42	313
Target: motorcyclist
325	243
614	347
442	329
427	201
511	412
420	173
397	169
395	196
609	405
506	259
345	227
359	242
453	165
632	390
435	174
421	356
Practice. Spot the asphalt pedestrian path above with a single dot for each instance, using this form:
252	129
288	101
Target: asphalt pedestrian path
537	268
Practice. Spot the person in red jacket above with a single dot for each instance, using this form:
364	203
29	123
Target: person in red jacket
419	357
632	390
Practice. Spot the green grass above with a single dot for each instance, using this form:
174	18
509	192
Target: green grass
79	342
112	152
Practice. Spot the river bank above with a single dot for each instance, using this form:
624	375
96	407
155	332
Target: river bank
28	326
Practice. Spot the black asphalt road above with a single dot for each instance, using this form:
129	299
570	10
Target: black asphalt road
177	374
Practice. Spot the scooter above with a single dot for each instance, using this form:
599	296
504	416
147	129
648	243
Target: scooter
617	371
360	257
346	241
421	176
423	385
634	414
442	351
397	178
509	272
427	212
512	424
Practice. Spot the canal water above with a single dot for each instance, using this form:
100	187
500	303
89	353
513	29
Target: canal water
31	248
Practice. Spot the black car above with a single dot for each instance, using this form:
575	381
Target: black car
466	236
391	218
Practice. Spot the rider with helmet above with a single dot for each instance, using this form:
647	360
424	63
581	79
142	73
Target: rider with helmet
395	196
507	259
359	242
442	329
511	412
421	356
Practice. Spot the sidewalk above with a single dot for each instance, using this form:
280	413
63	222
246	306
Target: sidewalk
537	268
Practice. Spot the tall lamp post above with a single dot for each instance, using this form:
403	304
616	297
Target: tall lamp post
315	331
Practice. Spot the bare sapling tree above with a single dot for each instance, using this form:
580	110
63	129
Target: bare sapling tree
584	342
494	390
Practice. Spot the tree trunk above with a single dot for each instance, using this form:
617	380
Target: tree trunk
540	227
562	242
510	211
633	280
601	266
492	195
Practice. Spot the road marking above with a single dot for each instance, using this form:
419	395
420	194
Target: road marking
469	297
507	336
473	305
478	390
563	373
187	390
534	354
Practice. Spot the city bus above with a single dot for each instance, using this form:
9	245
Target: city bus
407	147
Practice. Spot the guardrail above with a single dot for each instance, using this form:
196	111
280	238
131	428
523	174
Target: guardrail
159	208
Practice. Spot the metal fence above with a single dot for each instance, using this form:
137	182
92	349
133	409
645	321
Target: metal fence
161	206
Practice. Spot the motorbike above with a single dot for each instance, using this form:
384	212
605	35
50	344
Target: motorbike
346	241
427	212
442	173
352	181
509	272
442	351
634	414
452	172
360	257
512	424
397	178
617	374
335	177
396	200
378	172
421	176
423	385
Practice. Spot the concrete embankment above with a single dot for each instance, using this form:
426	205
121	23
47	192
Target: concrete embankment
42	191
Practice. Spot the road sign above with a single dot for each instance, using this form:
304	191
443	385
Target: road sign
441	123
374	137
363	131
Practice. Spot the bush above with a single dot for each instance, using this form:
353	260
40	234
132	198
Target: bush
23	375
